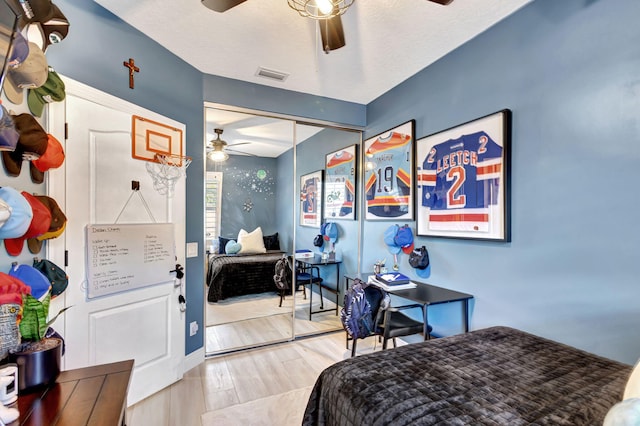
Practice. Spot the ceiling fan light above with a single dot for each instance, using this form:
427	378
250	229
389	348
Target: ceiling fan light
320	9
218	156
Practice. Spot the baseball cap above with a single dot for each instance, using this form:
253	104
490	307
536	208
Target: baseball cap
404	239
21	213
8	134
52	158
19	50
51	91
30	73
12	289
331	232
57	277
423	273
389	239
40	223
58	223
48	30
32	143
5	212
29	275
35	11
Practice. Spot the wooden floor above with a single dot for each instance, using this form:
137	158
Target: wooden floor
265	386
252	320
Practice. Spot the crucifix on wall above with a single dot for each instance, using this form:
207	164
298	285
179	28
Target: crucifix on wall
132	68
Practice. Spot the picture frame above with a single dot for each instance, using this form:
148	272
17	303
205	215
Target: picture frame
388	174
311	199
340	184
463	180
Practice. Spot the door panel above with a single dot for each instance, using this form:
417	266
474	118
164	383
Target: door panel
143	324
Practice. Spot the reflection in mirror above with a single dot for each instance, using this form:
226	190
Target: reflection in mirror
248	229
252	220
322	273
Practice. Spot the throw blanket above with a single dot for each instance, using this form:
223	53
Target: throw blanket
239	274
494	376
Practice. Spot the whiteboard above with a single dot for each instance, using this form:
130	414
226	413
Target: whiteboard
129	256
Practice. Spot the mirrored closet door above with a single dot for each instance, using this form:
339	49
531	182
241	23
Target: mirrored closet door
253	219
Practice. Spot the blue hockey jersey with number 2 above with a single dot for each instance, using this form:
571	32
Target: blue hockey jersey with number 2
460	179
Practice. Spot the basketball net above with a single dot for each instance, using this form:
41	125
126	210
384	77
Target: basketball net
165	171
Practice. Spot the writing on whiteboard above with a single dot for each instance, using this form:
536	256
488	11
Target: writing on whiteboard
130	256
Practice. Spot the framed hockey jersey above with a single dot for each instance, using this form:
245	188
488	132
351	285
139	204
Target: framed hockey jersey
388	174
340	184
462	178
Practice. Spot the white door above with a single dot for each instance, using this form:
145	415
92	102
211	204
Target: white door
144	324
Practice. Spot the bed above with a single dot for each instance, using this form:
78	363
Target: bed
493	376
231	275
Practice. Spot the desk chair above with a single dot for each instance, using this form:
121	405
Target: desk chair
309	275
389	322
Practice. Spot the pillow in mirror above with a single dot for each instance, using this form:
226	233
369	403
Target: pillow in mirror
222	244
232	247
271	242
251	242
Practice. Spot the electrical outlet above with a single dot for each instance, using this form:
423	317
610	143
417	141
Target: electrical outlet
193	328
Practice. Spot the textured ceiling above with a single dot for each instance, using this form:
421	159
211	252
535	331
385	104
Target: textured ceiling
387	40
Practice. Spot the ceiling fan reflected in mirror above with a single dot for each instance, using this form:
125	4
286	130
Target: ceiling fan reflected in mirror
326	12
217	148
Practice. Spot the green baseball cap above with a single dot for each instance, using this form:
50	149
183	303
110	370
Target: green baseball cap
51	91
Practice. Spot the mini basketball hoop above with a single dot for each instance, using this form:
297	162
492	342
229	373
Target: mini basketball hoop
165	170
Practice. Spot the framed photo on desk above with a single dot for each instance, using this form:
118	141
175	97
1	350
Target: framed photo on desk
463	180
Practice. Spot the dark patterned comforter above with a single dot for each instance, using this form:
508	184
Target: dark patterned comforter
239	274
493	376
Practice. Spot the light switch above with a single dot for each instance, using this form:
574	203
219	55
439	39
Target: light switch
192	249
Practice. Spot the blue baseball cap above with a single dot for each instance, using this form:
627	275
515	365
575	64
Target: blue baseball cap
389	239
19	50
404	239
8	134
21	214
423	273
35	279
331	232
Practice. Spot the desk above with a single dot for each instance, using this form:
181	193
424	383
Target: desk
86	396
428	294
317	261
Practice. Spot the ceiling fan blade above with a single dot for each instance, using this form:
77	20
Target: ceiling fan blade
240	152
442	2
332	33
221	5
239	143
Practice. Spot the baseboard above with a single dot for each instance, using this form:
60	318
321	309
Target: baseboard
194	359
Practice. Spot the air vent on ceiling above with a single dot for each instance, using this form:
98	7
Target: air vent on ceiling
272	74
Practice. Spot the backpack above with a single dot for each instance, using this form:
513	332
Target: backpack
356	314
283	274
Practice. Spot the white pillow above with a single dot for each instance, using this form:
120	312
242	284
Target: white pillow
632	390
251	242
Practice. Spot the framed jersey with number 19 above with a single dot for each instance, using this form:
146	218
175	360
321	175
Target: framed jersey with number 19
463	183
388	174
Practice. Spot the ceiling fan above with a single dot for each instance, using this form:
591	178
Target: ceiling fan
217	148
331	29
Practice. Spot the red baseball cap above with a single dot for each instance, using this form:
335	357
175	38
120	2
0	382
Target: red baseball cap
40	224
52	158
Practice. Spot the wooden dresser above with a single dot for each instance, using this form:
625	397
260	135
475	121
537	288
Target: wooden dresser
86	396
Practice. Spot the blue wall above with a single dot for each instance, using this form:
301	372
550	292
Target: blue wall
241	184
569	71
